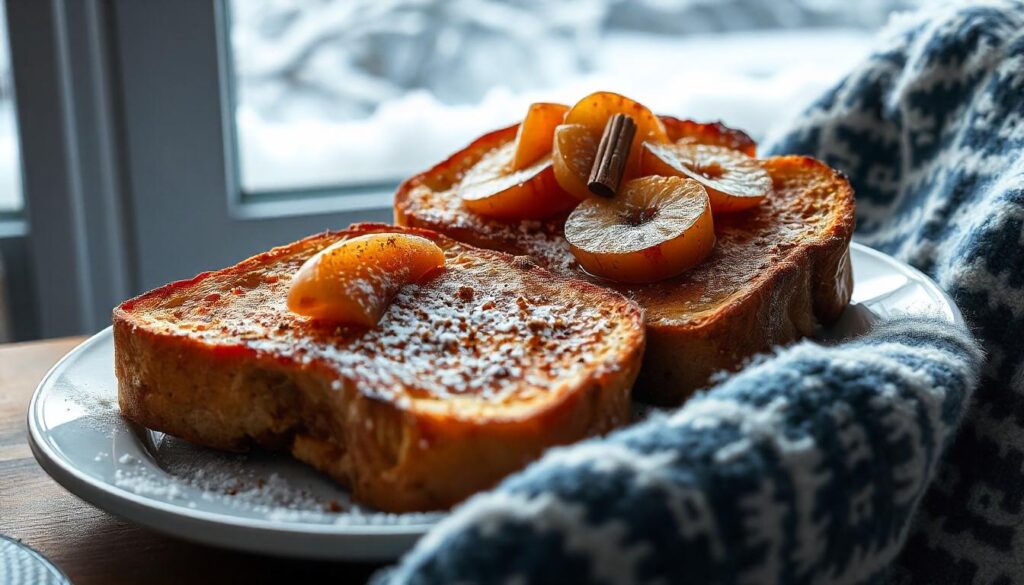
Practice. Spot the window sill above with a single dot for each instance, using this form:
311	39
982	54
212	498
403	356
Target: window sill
312	202
12	226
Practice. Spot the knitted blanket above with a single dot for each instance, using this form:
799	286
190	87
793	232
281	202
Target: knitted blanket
826	464
931	132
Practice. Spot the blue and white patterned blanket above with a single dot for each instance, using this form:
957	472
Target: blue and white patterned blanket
826	464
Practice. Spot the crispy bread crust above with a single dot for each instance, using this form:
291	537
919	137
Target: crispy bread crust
398	448
775	283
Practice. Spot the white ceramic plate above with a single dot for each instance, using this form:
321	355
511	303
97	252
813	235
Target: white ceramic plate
270	503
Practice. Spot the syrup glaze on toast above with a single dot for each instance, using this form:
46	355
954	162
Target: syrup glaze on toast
467	376
777	271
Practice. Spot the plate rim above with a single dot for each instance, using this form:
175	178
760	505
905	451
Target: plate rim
39	557
183	522
927	281
348	542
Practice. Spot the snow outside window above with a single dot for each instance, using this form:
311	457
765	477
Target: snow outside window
365	92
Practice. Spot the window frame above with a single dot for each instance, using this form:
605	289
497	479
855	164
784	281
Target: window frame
202	219
72	257
129	160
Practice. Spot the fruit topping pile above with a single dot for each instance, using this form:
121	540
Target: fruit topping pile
642	205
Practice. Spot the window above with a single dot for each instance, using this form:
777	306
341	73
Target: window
12	266
363	92
162	139
10	165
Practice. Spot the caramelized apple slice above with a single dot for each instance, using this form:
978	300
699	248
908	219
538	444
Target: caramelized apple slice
489	188
734	181
573	153
533	140
594	110
354	281
717	133
575	147
656	227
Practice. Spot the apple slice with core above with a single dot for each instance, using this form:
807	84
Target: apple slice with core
734	181
655	228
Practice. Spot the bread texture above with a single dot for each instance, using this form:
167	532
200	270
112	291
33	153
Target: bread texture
468	376
778	270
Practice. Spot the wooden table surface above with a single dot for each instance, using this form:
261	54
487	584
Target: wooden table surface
91	546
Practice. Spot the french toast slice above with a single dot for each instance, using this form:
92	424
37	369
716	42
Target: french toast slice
777	271
467	377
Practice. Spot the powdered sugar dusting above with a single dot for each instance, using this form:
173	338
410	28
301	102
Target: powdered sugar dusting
262	486
92	404
485	328
442	343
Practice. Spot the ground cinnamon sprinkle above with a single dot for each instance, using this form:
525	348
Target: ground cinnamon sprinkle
424	343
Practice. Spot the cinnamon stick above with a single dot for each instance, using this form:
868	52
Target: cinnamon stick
612	154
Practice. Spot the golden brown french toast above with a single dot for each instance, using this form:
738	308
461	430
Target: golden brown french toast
777	271
468	376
